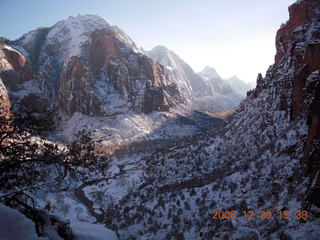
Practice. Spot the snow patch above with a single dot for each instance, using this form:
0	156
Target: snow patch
14	225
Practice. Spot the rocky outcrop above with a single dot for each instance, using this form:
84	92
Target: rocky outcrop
4	102
85	65
5	114
297	64
15	59
14	69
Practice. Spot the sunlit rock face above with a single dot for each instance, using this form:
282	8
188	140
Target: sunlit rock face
14	68
85	65
4	102
5	112
9	60
189	82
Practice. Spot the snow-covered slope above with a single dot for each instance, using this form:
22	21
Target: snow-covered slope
14	225
131	132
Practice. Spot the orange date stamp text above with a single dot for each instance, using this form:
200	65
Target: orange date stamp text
265	214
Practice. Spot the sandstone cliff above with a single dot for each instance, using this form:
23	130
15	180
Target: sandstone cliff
295	76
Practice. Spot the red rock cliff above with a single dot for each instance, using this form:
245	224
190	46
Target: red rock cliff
296	74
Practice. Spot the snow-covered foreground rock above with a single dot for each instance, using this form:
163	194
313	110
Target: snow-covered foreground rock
14	225
89	231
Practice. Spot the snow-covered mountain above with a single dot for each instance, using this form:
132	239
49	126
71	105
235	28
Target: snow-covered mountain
83	64
239	86
84	73
207	88
209	72
180	70
223	93
217	84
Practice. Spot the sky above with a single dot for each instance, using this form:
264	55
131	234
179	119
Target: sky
236	37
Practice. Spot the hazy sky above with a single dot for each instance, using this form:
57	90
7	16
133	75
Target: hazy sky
236	37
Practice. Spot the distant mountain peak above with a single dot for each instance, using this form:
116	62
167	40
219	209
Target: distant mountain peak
176	67
160	48
209	72
81	23
74	32
210	85
87	17
166	57
161	51
239	85
234	77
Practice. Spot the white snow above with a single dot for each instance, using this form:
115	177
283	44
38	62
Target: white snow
14	225
90	231
72	33
122	129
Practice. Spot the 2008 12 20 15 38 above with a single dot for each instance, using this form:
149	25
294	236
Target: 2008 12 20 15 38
265	214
